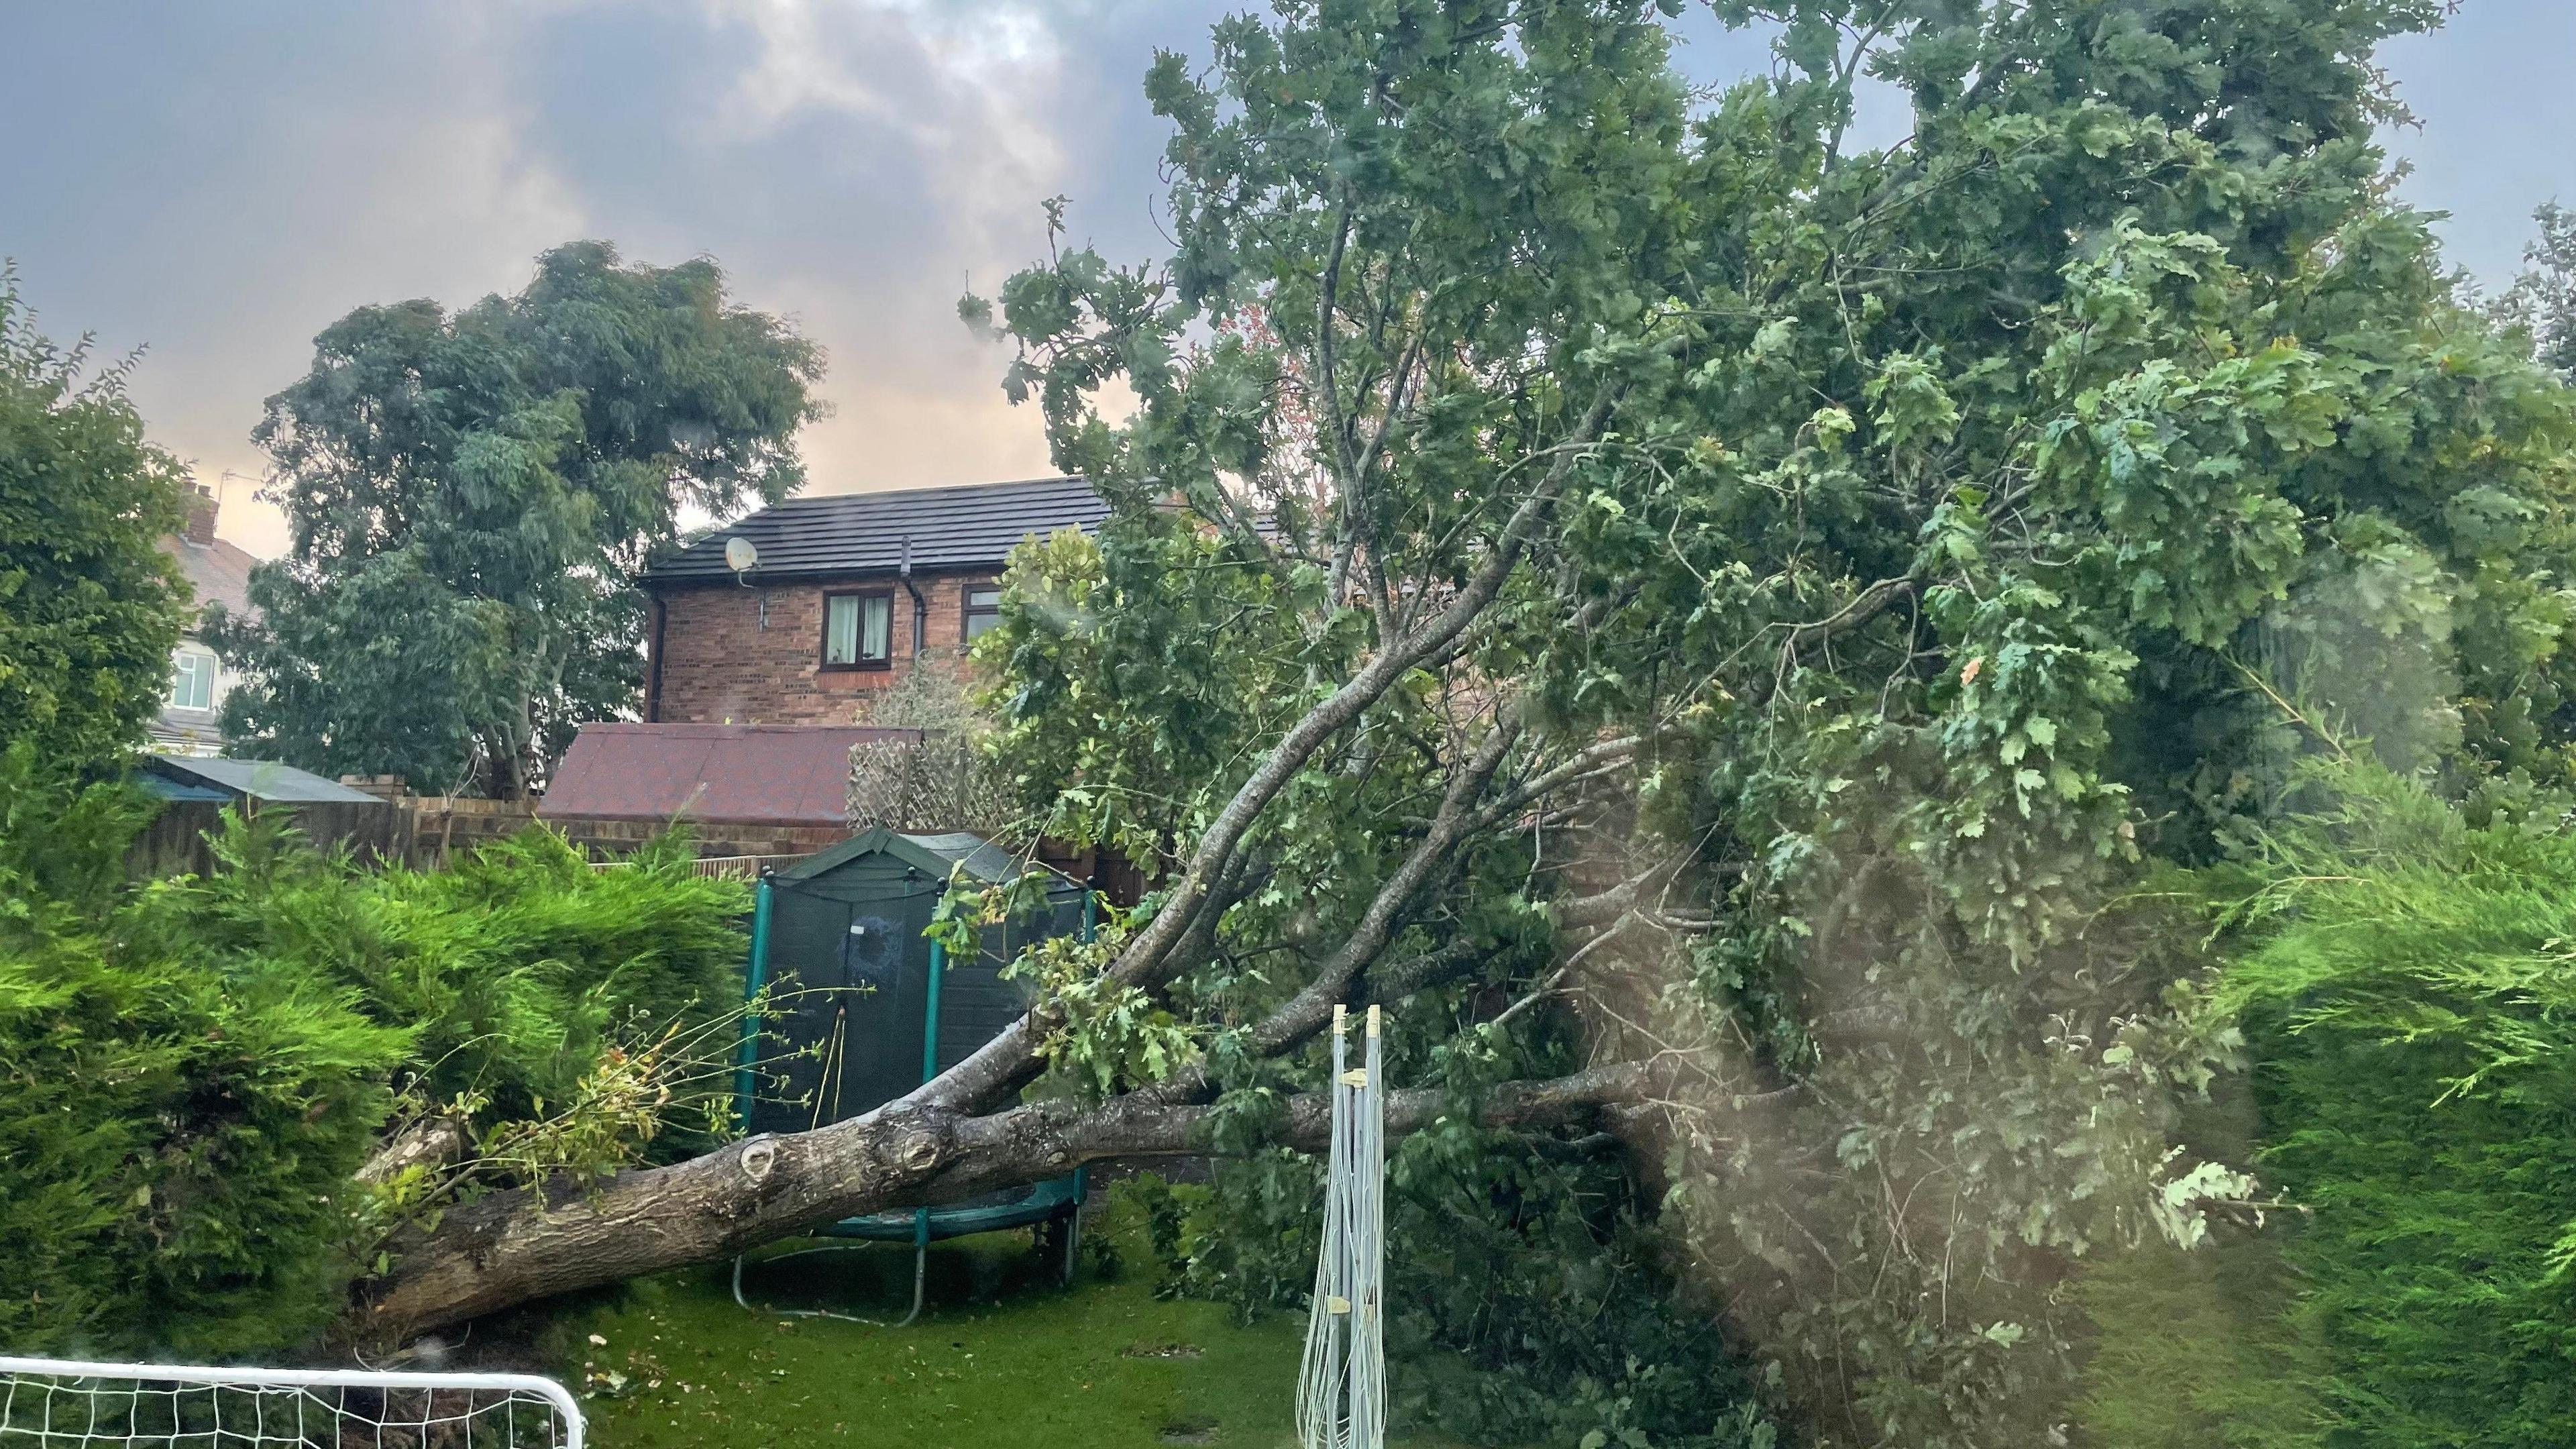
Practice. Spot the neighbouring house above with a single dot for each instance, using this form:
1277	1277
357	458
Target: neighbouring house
768	641
844	593
220	574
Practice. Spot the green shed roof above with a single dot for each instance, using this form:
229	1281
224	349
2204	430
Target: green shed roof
934	855
254	779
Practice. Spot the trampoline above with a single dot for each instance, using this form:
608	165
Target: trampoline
869	1010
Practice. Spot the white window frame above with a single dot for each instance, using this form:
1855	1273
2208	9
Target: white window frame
193	665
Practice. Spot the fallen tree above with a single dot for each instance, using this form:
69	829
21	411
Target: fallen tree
505	1249
947	1140
1706	625
1370	609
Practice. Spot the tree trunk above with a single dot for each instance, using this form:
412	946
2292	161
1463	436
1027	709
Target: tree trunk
510	1248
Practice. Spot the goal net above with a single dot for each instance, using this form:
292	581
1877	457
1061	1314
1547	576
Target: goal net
63	1404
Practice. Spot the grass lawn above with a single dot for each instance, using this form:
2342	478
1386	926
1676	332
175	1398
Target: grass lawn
1001	1358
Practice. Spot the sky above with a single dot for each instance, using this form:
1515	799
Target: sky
214	184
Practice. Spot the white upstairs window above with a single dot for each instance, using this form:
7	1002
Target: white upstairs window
192	679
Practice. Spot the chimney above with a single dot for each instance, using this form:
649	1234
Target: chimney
201	515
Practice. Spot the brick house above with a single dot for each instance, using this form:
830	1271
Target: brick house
846	592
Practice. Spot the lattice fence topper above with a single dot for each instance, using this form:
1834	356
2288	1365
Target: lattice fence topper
1341	1388
936	783
69	1404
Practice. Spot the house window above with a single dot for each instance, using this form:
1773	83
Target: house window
192	679
983	609
858	631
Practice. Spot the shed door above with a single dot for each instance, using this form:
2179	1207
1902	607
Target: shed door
850	983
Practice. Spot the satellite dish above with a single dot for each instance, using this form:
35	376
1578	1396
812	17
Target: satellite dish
740	555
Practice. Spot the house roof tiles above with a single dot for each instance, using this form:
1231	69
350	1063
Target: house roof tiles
838	534
219	571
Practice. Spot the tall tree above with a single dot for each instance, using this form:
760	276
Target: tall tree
2541	303
471	495
1767	602
89	605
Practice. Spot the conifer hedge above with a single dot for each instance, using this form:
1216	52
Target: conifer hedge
2406	984
192	1070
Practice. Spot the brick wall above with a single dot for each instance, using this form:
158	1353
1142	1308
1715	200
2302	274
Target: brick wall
722	663
441	829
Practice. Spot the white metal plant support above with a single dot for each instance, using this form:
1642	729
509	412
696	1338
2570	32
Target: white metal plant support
1341	1389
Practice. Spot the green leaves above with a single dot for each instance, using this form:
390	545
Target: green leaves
1941	492
1103	1035
175	1139
471	495
196	1068
89	605
2402	979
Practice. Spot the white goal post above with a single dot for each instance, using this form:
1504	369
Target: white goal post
50	1403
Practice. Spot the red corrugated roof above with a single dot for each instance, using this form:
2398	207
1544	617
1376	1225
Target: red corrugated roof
719	774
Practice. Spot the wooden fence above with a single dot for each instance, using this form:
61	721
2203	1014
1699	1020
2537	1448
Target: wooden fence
177	841
427	832
748	867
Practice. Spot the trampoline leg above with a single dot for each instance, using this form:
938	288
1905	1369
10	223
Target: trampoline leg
1072	1242
920	1271
920	1275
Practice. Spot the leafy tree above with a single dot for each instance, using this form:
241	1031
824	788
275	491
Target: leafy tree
177	1142
1952	510
89	605
2542	301
1767	606
471	495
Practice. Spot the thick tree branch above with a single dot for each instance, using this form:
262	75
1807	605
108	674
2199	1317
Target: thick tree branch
1590	762
1604	907
430	1142
986	1078
507	1248
1335	423
1457	817
1306	1012
1391	983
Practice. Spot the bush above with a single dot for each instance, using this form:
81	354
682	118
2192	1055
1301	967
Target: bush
513	969
196	1068
1527	1299
178	1128
2407	988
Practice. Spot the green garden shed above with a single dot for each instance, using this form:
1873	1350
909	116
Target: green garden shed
863	1009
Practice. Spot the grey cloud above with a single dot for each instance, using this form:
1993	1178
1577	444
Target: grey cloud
222	181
